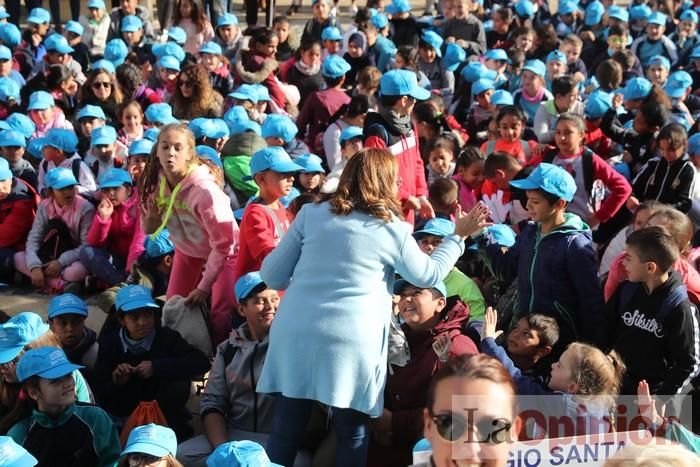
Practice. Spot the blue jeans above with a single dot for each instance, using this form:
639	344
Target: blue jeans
289	425
108	268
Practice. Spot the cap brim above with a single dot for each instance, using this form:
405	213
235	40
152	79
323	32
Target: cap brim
68	311
674	91
60	370
7	354
102	141
63	185
437	233
286	167
419	93
146	448
524	184
136	306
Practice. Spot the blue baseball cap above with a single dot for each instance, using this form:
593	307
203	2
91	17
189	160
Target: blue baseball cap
151	134
159	245
14	455
211	48
331	33
497	54
659	60
273	158
177	34
13	139
238	122
498	234
160	113
39	16
91	111
206	127
40	100
103	135
45	362
434	40
637	88
482	85
59	178
169	48
227	19
398	6
35	147
132	23
678	83
62	139
694	145
597	105
379	21
114	178
689	15
402	83
536	67
19	331
245	92
154	440
351	132
400	284
5	53
141	147
245	284
169	63
5	172
619	13
10	35
263	92
556	56
639	12
208	153
474	71
279	126
454	55
134	297
96	4
567	7
240	454
104	65
594	13
525	9
437	226
21	124
67	304
75	27
550	178
310	163
501	97
116	51
334	66
9	89
657	18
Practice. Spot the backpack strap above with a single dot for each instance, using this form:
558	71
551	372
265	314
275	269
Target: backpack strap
229	353
588	176
672	300
526	149
278	225
490	147
75	168
95	167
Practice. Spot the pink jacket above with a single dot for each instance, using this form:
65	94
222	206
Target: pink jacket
122	233
202	223
467	196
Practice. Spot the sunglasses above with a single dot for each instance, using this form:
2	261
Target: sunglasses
134	460
452	426
103	84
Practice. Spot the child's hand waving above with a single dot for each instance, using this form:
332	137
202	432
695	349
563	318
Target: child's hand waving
490	320
472	222
647	405
442	347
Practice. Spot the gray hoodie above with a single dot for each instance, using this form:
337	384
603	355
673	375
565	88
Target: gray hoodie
231	389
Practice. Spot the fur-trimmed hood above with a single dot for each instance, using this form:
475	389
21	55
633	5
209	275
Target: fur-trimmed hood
252	68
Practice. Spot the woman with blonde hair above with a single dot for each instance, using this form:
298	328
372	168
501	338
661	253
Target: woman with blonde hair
194	97
102	89
334	318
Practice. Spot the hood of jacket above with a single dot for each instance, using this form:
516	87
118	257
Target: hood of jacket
243	144
572	223
454	316
253	68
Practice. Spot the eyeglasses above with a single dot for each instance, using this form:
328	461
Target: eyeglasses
103	84
187	84
452	426
134	460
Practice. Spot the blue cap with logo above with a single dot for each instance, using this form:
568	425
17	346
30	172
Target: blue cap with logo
379	21
454	55
91	111
550	178
116	52
103	135
9	89
659	60
556	56
21	124
331	33
637	88
114	178
245	92
134	297
310	163
273	158
151	134
154	440
45	362
437	226
159	245
67	304
75	27
334	67
62	139
657	18
39	16
169	48
178	35
597	104
59	178
11	138
19	331
208	153
501	97
160	113
227	19
525	9
141	147
350	132
245	284
211	48
474	71
10	35
536	67
694	145
482	85
131	23
497	54
594	13
279	126
104	65
240	454
14	455
169	63
5	172
619	13
401	284
40	100
639	12
678	83
434	40
402	83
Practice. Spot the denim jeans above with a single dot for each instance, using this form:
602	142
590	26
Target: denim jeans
97	261
288	427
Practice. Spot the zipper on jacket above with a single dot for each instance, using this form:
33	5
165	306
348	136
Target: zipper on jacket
255	394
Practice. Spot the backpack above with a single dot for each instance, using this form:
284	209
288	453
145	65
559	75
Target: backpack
75	168
317	144
672	300
229	352
95	166
57	240
586	162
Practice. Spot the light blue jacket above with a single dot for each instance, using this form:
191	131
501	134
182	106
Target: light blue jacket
328	341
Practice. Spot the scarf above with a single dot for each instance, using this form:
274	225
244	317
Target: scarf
137	347
306	69
57	121
75	354
536	98
70	214
402	124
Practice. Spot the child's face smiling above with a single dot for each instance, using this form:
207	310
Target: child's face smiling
54	395
473	175
269	49
418	307
510	128
260	310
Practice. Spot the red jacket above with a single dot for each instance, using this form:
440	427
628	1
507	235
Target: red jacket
17	213
317	111
258	237
597	141
252	68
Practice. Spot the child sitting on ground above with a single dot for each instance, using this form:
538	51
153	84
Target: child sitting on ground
67	314
105	151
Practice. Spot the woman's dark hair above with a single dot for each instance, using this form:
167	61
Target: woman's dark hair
359	105
261	36
57	75
198	15
655	114
129	78
426	112
468	156
511	110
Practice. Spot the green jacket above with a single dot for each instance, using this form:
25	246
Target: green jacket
458	283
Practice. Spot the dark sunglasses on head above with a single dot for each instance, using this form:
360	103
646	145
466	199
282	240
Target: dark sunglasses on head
452	426
103	84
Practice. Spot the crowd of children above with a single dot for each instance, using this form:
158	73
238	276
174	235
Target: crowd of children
141	167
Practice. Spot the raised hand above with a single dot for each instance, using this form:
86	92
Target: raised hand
442	347
490	320
472	222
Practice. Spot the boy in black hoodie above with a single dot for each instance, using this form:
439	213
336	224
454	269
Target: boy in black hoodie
67	314
651	323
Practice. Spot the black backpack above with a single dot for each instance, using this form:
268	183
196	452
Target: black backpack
56	241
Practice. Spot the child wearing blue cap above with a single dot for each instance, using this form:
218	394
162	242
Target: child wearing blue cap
554	252
279	130
88	118
332	41
73	32
58	233
177	191
67	314
257	64
150	445
144	362
106	152
227	33
312	175
49	424
533	91
12	149
96	28
429	62
240	453
686	35
654	42
211	56
658	70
